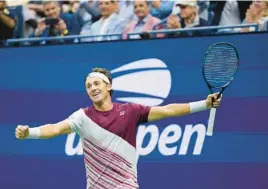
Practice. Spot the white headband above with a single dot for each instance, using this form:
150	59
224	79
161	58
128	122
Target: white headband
99	75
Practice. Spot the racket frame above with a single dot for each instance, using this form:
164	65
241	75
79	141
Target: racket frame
210	127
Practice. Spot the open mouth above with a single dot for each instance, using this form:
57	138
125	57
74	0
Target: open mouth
95	94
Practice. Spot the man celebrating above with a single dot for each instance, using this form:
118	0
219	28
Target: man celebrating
108	131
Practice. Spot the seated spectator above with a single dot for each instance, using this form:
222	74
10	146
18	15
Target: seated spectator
144	21
109	23
202	8
187	18
161	9
7	23
256	14
54	24
86	15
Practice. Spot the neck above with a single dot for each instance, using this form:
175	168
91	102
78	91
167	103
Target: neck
105	17
141	18
104	106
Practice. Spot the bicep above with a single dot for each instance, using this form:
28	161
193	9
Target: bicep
158	112
63	127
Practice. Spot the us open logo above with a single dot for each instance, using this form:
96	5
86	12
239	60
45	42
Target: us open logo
147	82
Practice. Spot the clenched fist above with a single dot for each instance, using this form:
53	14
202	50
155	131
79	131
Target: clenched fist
212	101
22	131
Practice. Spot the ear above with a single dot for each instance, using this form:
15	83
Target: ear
109	87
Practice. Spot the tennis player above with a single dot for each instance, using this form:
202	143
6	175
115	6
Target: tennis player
108	131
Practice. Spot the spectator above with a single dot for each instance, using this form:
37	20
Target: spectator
54	24
109	23
126	9
144	22
265	25
161	9
187	18
69	7
7	22
229	12
86	15
32	14
256	14
202	8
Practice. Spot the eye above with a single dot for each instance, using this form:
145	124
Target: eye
88	86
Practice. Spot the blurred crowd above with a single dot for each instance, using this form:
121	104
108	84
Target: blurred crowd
128	19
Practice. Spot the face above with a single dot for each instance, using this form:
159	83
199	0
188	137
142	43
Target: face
141	8
187	11
2	4
107	7
261	5
52	10
97	89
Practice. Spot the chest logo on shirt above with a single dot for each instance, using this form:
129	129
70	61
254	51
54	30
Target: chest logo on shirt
147	82
122	113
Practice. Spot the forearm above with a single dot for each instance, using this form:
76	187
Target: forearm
187	108
44	132
163	10
176	110
38	8
10	22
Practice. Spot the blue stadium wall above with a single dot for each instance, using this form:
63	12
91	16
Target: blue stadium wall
45	84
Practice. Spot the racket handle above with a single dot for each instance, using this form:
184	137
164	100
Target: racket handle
211	120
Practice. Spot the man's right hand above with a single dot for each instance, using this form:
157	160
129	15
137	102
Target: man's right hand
22	131
40	28
173	22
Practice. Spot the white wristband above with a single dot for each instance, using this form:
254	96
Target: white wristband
34	133
198	106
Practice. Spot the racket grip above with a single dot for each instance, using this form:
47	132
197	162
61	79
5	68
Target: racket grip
211	120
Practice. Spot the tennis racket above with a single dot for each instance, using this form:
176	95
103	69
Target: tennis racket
220	65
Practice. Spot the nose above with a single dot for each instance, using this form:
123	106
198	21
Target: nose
93	87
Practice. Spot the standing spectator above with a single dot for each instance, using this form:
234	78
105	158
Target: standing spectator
32	13
126	9
69	7
7	22
144	22
229	12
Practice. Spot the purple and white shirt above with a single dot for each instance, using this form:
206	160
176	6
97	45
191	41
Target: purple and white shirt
109	144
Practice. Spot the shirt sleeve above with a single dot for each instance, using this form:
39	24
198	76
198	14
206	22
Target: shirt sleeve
76	121
141	112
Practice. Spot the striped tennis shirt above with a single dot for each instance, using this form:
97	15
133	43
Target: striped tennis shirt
109	144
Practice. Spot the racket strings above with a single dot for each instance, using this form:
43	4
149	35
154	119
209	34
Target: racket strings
220	65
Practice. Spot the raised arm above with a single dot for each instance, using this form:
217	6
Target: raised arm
43	132
176	110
